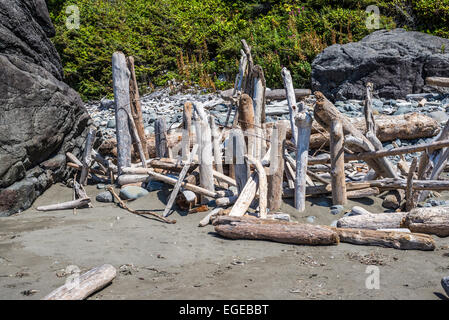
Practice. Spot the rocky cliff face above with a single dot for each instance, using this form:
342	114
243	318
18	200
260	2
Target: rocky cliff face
41	117
396	62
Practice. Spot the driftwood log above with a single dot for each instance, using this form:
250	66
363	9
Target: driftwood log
428	220
120	76
275	178
303	123
136	108
284	232
78	203
337	164
373	221
388	239
88	283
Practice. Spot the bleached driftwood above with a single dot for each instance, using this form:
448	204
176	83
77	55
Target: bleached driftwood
303	122
65	205
120	75
88	283
183	173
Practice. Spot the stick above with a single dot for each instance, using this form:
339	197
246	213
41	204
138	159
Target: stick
183	173
140	212
65	205
409	205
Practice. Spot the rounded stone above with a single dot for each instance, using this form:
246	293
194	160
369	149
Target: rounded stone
105	197
132	192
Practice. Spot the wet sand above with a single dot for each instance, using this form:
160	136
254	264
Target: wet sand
182	261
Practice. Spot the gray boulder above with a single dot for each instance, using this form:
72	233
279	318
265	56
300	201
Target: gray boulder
396	62
41	118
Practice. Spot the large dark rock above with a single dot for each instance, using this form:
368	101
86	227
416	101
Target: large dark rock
396	62
41	117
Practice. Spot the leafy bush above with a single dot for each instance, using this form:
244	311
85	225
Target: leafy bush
199	41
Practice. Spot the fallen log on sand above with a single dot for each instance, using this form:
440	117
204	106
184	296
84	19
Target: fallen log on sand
307	234
261	229
82	287
388	239
428	220
373	221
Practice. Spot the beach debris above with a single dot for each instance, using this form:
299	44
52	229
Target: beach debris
84	285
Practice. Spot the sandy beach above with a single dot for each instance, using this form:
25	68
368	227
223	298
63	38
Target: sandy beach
182	261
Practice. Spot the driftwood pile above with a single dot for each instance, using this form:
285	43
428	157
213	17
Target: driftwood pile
247	166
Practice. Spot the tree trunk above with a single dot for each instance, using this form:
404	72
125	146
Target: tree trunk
337	164
186	129
304	123
428	220
396	240
136	108
284	232
205	156
373	221
160	133
120	75
276	171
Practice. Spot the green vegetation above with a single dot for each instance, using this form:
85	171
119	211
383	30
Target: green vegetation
199	41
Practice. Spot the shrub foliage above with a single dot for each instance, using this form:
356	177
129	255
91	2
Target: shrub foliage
198	41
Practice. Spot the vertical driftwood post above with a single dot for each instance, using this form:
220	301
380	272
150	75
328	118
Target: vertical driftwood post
291	100
136	138
204	140
120	76
186	124
136	108
235	152
216	143
262	185
337	163
276	171
259	108
160	133
304	123
410	204
87	158
248	83
246	120
242	71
